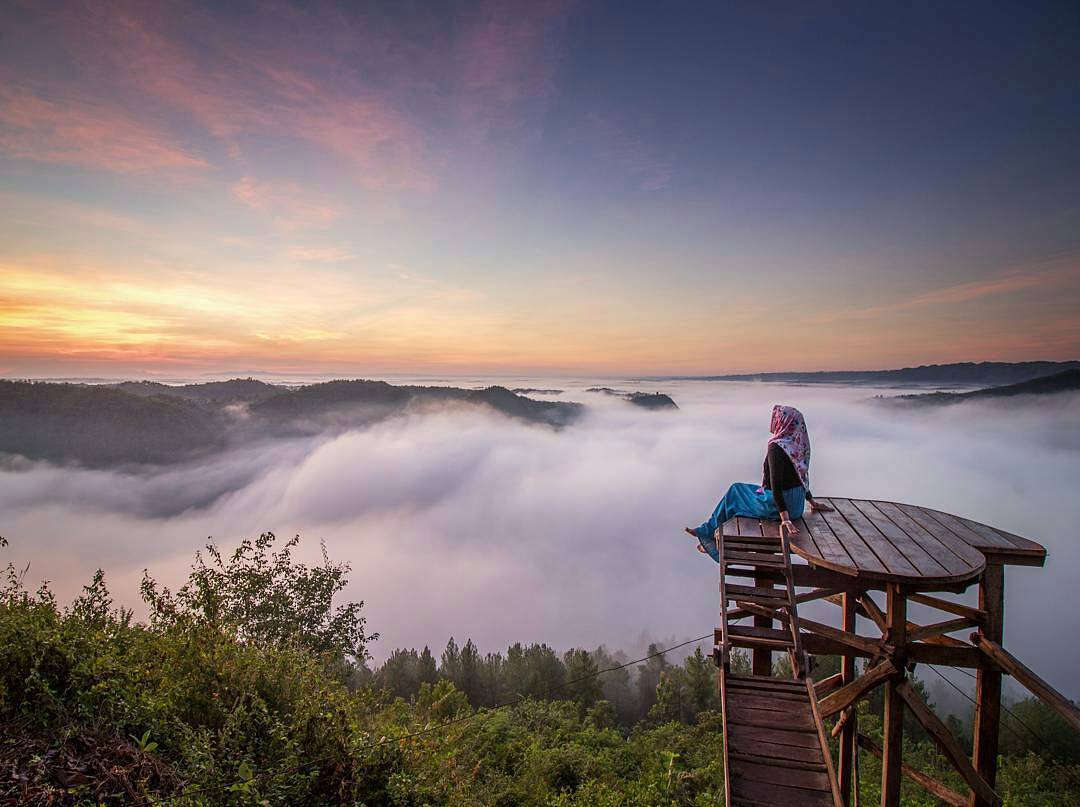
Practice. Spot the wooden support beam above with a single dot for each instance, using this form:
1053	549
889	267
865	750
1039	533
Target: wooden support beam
843	720
928	783
988	681
871	647
1036	685
830	770
948	655
849	694
827	685
920	632
761	660
949	606
848	722
892	754
941	735
872	610
806	596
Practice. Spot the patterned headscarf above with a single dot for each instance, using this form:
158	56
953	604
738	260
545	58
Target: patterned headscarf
788	429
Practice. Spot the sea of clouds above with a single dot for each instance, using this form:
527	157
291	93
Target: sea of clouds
466	523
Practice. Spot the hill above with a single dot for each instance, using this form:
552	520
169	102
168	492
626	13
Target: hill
960	374
151	423
1067	381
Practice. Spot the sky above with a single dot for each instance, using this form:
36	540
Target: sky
537	187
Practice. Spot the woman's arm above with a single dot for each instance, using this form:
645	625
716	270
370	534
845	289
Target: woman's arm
785	521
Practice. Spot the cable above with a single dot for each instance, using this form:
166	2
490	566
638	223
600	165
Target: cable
463	719
1067	771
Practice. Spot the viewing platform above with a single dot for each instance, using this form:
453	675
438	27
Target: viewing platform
776	740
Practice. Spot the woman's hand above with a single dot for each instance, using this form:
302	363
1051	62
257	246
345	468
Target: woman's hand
819	507
790	526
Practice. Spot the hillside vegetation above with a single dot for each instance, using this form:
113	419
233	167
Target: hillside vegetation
248	686
145	422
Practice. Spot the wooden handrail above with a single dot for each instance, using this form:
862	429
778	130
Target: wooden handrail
1036	685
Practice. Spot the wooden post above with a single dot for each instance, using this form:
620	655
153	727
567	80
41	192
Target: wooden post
849	732
762	656
988	682
892	754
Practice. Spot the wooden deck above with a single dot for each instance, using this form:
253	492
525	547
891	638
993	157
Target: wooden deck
776	752
887	542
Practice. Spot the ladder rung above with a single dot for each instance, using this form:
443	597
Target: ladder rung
772	596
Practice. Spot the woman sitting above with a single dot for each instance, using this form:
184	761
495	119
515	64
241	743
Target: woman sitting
784	490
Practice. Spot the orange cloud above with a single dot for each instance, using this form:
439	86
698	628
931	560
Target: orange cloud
78	131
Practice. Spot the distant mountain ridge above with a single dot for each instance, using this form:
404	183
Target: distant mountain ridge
1067	381
961	373
144	422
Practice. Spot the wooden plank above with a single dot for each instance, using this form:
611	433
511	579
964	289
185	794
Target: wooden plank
780	762
860	687
815	714
845	763
941	735
826	546
938	628
927	564
958	559
1025	545
928	783
756	593
723	675
776	775
893	724
748	526
871	646
949	606
861	554
891	558
875	613
794	753
748	699
752	558
774	683
777	794
767	719
827	685
1036	685
946	537
980	539
987	726
770	529
948	656
748	736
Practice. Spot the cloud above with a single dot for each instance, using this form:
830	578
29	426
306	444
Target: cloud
319	254
87	133
572	537
290	205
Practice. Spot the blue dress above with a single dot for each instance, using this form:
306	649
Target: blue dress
751	501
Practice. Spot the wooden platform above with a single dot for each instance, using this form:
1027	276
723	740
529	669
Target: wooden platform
776	753
887	542
774	744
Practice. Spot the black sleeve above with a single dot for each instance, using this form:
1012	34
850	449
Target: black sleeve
777	459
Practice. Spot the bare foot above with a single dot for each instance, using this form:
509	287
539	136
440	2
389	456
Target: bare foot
701	549
690	532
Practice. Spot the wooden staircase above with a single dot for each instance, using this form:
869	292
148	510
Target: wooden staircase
775	748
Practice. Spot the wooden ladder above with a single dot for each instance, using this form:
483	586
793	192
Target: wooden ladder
759	558
775	748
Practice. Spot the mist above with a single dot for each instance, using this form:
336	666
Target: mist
466	523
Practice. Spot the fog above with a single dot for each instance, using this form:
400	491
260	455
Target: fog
469	524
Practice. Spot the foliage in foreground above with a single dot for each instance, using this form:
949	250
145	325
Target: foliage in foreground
237	692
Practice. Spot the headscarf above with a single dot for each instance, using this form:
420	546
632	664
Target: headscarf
788	429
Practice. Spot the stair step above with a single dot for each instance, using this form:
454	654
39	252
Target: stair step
770	597
753	558
751	636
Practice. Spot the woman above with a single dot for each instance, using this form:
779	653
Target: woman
784	490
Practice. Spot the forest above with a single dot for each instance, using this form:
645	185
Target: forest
248	685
